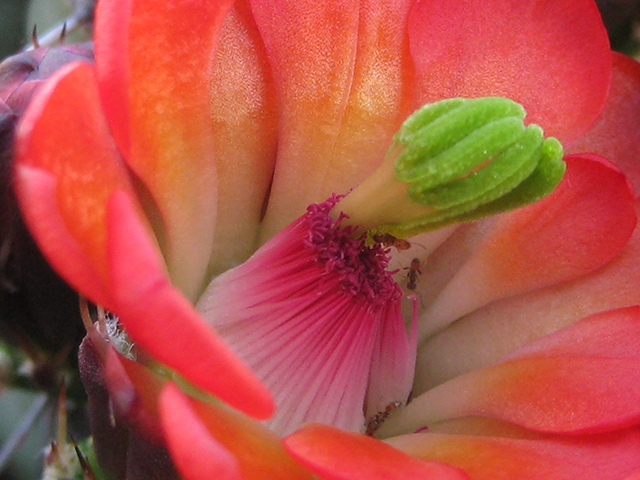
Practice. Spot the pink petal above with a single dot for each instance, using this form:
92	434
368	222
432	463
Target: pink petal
66	168
615	134
552	57
197	455
343	80
307	323
157	101
205	436
580	227
336	455
155	314
597	457
392	365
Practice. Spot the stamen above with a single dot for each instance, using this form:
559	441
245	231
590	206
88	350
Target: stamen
362	269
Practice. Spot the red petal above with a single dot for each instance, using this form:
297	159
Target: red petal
197	455
598	457
552	57
153	61
205	436
336	455
634	476
343	80
615	134
581	226
156	316
67	166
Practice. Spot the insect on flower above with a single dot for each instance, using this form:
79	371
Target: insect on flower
412	274
389	240
375	422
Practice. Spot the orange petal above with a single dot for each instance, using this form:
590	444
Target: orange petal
245	121
584	378
336	455
554	394
197	454
581	226
610	334
207	437
66	168
153	61
597	457
343	80
491	332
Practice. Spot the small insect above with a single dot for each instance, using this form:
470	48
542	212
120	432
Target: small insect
380	417
389	240
412	274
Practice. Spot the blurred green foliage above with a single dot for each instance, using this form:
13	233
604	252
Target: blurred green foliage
18	18
12	25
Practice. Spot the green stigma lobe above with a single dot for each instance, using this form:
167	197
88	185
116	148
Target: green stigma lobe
469	158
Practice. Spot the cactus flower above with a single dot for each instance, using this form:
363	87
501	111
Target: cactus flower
435	318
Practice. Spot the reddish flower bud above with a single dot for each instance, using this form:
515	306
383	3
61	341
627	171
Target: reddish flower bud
38	310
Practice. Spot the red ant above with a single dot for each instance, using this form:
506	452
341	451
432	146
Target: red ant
412	274
389	240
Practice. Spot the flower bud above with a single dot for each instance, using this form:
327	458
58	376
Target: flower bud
38	311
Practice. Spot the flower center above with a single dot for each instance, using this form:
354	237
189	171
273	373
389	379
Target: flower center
361	268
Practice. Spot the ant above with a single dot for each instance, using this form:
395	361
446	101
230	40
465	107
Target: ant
412	274
389	240
376	421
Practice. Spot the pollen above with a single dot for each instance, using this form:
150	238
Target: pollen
363	269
